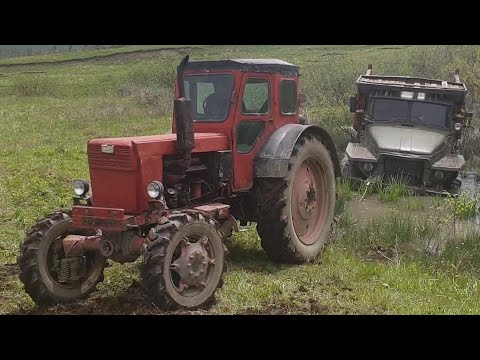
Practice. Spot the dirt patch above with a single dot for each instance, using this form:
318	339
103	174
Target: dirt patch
117	57
133	301
309	307
6	271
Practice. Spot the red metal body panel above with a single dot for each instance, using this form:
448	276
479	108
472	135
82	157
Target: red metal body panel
119	179
87	217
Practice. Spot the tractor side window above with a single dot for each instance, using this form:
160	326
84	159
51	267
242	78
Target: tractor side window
248	133
256	97
288	97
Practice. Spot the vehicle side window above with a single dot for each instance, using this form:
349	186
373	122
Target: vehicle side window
288	97
248	132
256	97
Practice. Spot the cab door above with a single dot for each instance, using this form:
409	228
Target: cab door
253	125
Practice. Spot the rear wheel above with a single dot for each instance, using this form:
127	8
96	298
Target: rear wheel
41	258
183	266
296	212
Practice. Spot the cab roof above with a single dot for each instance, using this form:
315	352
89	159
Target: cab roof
457	90
253	65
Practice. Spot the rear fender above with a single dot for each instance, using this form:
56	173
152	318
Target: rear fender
272	160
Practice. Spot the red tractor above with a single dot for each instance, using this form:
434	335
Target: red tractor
239	151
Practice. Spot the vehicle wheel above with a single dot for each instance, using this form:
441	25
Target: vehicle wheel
296	212
352	173
40	258
183	265
454	185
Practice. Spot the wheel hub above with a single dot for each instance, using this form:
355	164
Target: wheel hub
192	265
306	201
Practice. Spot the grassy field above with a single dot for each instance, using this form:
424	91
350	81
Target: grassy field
49	111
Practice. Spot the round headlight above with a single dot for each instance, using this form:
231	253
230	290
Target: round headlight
155	189
368	166
457	126
80	187
439	174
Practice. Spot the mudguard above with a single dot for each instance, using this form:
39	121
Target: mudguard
272	160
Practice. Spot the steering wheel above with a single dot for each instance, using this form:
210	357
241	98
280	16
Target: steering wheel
204	105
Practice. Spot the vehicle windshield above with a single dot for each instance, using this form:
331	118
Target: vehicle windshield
210	96
410	112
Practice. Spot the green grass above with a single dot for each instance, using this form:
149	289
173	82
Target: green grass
464	206
87	54
377	267
393	191
412	203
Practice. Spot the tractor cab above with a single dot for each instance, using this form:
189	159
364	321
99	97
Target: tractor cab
246	100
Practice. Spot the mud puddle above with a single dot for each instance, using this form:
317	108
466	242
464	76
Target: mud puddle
432	210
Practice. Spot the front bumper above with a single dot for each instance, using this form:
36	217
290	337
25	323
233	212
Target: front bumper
106	219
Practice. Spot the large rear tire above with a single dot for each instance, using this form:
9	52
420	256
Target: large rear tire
183	265
39	260
296	212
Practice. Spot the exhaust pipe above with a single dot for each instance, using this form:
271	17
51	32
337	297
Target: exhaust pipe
456	77
183	121
369	70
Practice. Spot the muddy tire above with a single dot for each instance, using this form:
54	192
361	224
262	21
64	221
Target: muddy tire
184	264
296	212
38	254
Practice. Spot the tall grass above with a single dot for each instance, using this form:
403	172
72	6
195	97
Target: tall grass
35	85
393	190
390	235
464	206
152	86
462	255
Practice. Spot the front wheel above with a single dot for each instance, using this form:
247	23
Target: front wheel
44	269
183	266
296	212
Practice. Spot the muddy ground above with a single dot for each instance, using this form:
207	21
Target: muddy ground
135	301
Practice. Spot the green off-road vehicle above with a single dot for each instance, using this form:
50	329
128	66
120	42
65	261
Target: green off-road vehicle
409	128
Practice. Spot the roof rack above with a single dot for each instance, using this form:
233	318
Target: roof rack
402	82
453	88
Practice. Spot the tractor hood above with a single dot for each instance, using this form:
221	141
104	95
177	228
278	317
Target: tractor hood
121	168
156	145
401	139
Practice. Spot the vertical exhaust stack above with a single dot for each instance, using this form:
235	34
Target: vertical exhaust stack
456	77
369	70
183	121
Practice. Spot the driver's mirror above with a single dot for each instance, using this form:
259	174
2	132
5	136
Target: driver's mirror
353	104
233	98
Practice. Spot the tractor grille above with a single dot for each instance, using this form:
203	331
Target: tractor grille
121	159
410	171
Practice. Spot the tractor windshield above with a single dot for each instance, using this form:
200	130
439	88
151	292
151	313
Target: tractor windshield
210	95
408	112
